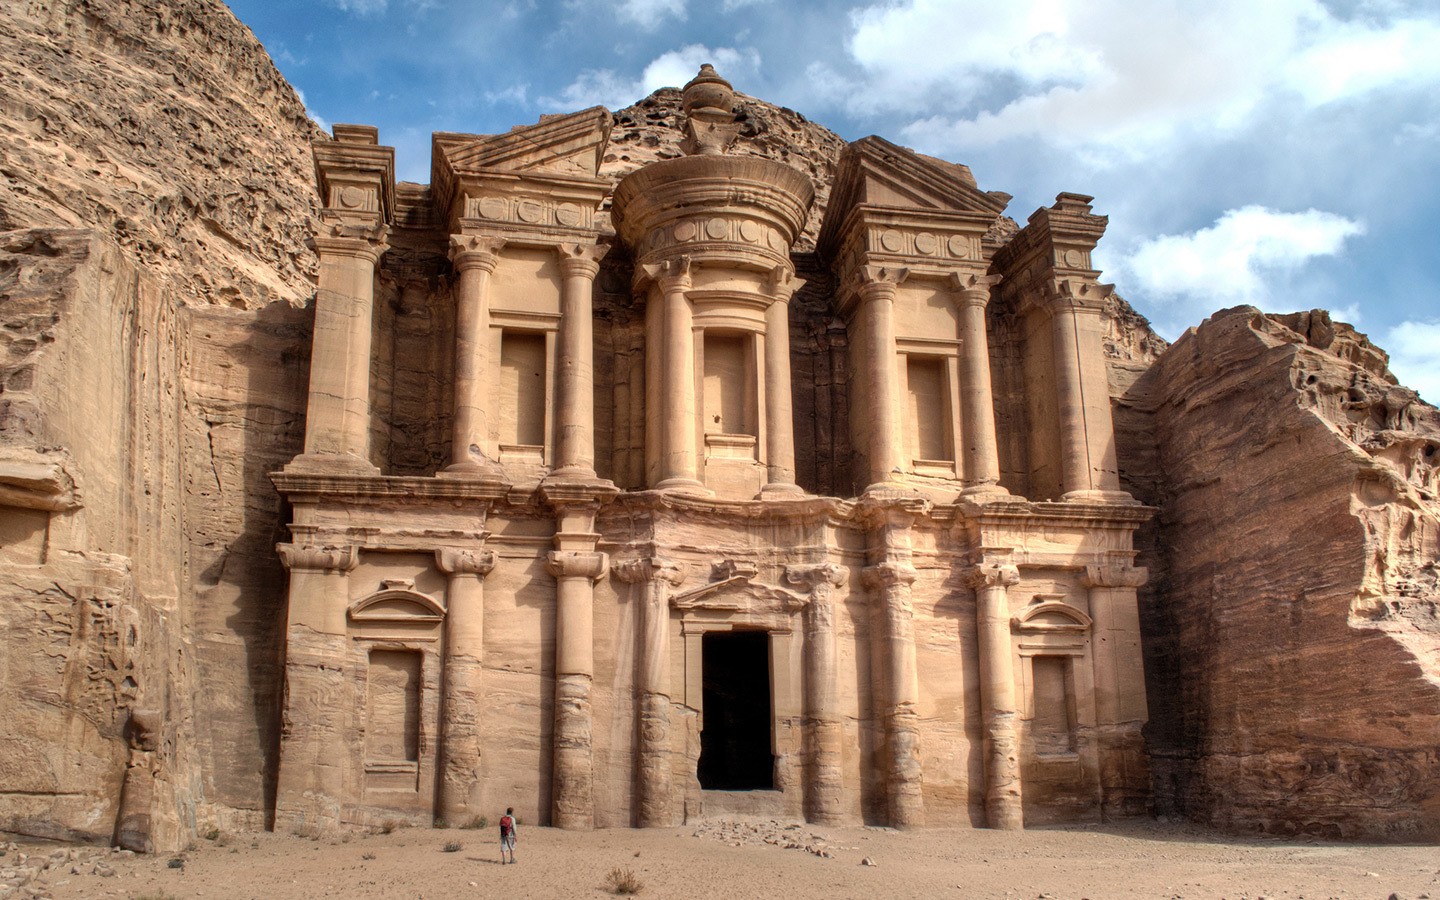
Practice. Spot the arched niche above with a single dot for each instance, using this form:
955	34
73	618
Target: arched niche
396	615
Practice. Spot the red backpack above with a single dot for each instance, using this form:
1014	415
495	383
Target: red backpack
507	824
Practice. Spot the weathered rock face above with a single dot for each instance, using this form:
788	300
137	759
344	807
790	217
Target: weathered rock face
155	208
1292	636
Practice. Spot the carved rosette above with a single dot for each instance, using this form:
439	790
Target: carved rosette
331	559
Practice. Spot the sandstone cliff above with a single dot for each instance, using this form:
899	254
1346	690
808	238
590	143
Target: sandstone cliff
153	217
1293	623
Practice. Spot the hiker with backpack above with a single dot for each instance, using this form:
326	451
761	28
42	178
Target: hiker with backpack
507	835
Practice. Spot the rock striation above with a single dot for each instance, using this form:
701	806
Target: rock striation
1293	624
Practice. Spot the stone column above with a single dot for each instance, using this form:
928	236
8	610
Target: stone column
779	416
891	580
575	573
880	373
1120	705
575	381
337	414
654	792
824	797
317	775
475	258
679	464
462	696
1088	467
991	581
980	456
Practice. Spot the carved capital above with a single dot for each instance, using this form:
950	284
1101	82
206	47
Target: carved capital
815	576
464	561
973	290
312	558
733	568
781	283
652	568
888	575
1114	575
345	238
475	251
581	259
989	575
880	282
672	275
1077	295
577	564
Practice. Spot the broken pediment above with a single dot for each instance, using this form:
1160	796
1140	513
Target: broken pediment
1053	616
874	172
737	591
396	614
564	147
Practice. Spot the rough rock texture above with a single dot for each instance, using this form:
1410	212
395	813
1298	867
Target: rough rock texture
1292	632
165	126
155	207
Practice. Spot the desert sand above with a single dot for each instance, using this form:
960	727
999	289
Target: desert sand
754	858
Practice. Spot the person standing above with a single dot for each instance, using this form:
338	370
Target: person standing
507	835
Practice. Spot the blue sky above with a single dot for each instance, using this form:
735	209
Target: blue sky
1282	153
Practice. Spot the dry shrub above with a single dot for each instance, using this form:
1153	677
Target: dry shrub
476	823
454	847
367	855
624	881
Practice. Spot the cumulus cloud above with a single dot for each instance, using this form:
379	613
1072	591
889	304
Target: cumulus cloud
1237	260
1117	76
314	116
650	14
606	87
1414	348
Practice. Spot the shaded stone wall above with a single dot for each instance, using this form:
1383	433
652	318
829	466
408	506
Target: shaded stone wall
1291	642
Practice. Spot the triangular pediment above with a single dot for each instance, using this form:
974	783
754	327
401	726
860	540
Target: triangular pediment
739	593
569	145
873	172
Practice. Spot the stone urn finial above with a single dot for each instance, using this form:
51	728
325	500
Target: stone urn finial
711	124
709	92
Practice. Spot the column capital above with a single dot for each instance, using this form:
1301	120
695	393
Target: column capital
781	283
993	574
972	290
880	282
581	259
1078	295
671	275
475	251
576	564
315	558
360	240
464	561
815	576
1114	575
888	575
652	569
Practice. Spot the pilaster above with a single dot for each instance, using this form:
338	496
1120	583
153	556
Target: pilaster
876	316
462	699
1120	704
658	577
979	455
780	421
991	581
474	258
575	378
824	797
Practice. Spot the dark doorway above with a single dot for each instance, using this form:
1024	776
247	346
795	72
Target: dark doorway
735	740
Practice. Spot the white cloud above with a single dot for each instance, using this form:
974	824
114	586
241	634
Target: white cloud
314	116
730	6
1114	75
360	7
1237	260
650	14
606	87
1415	356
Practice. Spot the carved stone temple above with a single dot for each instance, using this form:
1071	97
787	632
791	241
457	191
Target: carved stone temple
635	590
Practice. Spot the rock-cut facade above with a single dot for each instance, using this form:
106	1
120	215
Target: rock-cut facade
623	595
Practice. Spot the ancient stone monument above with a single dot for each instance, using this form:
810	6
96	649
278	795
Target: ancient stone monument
678	461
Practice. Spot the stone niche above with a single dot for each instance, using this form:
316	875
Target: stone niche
611	599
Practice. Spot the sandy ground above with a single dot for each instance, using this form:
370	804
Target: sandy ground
732	859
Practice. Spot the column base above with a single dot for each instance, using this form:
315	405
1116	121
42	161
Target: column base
780	491
1096	496
477	471
330	464
984	490
685	486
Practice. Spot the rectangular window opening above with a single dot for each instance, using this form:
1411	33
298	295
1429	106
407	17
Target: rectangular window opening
392	707
728	408
522	388
929	408
1052	730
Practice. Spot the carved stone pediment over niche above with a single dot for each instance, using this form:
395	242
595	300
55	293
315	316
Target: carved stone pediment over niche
1049	614
396	612
735	593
